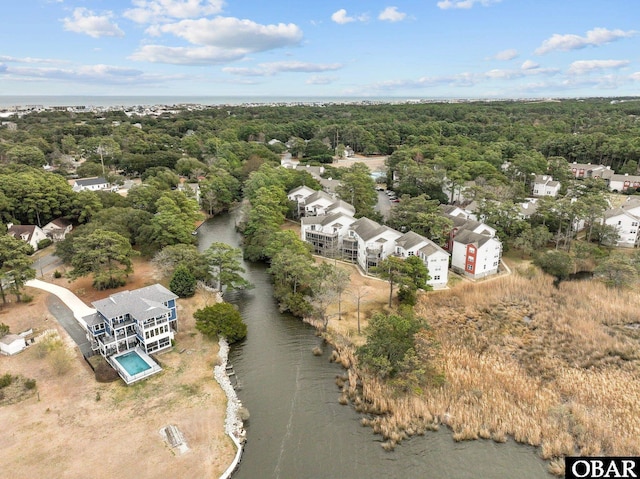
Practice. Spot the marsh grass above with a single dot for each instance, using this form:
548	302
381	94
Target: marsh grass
554	368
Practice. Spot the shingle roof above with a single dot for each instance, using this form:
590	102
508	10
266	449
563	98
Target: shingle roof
410	239
469	237
18	230
140	303
368	229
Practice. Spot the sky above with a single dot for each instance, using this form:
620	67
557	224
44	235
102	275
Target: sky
420	49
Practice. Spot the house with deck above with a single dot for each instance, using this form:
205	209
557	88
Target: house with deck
130	325
326	232
90	184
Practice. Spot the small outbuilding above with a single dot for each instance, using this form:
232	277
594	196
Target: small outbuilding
11	344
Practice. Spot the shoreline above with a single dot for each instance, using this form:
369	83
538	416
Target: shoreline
233	424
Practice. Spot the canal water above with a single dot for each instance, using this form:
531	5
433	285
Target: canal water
297	428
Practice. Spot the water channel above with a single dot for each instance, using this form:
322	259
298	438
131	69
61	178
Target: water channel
297	427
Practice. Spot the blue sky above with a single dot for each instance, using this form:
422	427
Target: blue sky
394	48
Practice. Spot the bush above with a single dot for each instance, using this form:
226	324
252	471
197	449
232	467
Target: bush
183	283
5	380
44	243
26	298
29	384
57	274
221	319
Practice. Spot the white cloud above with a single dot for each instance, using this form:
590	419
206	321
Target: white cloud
268	69
529	65
341	17
595	37
96	26
635	76
320	80
9	59
506	55
581	67
447	4
391	14
233	33
90	74
152	11
207	55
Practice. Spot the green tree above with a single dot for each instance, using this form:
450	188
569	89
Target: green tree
556	263
395	271
174	256
617	271
105	254
226	269
27	155
183	282
358	189
389	338
15	265
221	319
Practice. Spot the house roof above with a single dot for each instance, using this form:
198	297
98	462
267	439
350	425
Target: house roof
612	213
410	240
140	303
9	339
342	204
18	230
368	229
469	237
630	178
431	248
318	195
91	181
60	223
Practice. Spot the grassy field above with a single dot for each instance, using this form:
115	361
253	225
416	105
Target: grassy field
556	368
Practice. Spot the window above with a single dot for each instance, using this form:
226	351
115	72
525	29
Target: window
470	267
471	259
436	278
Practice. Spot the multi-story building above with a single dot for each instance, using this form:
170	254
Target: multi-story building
475	255
143	320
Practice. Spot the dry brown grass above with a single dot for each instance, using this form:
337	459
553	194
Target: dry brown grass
556	368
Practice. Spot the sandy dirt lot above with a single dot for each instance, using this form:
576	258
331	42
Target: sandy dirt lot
74	427
375	163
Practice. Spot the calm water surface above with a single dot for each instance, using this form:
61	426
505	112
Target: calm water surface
297	427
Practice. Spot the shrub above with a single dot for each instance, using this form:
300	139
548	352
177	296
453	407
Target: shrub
29	384
5	380
183	283
57	274
44	243
26	298
222	319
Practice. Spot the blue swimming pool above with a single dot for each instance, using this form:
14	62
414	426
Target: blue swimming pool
133	363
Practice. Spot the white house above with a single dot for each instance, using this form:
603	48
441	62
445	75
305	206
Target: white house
317	203
57	229
325	233
544	185
90	184
626	224
139	322
620	183
475	255
435	258
11	344
372	241
31	234
300	194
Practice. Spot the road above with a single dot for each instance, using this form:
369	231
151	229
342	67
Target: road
45	262
65	317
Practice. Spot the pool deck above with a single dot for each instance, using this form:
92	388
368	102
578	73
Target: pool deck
154	368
